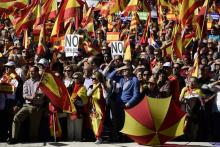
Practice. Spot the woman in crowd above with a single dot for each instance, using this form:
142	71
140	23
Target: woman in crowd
80	100
192	99
97	93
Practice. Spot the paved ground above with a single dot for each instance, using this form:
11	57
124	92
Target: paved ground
91	144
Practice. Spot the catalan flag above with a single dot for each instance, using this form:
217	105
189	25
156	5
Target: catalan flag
56	91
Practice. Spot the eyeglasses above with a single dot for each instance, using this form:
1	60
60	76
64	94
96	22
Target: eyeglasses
67	70
75	77
93	78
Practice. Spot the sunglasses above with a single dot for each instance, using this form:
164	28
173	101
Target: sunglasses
93	78
75	77
67	70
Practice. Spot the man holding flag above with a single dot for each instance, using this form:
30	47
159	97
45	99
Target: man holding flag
33	108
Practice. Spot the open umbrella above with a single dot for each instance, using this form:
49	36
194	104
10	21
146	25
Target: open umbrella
154	121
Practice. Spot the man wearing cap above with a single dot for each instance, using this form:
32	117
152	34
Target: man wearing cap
11	100
174	84
42	64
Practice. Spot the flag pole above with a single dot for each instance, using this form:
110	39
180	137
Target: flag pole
54	128
203	23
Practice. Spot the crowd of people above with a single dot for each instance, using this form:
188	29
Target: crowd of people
101	86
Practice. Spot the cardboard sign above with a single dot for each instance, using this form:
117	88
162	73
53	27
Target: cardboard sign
112	36
117	48
71	44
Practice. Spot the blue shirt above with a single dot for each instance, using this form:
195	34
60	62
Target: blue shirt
129	88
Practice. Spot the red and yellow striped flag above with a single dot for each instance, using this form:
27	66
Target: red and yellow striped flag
127	52
104	11
70	9
132	6
9	5
87	17
187	9
57	92
27	18
177	45
195	72
134	21
115	6
41	44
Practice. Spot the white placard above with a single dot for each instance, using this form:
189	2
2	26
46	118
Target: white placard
71	44
117	48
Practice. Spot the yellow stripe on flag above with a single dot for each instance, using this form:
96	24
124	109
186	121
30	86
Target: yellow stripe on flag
175	130
155	140
159	109
50	83
133	127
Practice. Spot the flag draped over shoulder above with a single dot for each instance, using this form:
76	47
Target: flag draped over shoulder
56	91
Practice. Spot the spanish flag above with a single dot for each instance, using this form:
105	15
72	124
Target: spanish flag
56	91
70	9
144	36
7	6
127	55
27	18
104	11
134	21
115	6
132	6
41	49
195	72
177	44
187	9
86	18
55	127
46	11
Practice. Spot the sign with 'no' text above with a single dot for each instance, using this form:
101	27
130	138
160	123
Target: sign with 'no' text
71	44
117	48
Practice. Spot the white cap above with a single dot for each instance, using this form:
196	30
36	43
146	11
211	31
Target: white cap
10	63
44	62
167	64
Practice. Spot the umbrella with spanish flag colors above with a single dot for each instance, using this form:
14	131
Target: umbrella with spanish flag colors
154	121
